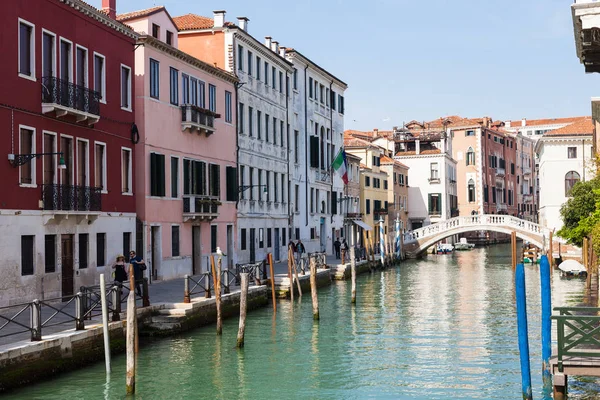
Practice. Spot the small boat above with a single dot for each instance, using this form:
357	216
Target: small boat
444	248
463	245
570	268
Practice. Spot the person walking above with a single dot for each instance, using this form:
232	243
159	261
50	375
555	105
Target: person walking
343	248
299	251
119	274
336	246
138	271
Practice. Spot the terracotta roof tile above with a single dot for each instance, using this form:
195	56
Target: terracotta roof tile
388	160
369	135
193	21
414	153
355	142
547	121
139	13
584	126
364	166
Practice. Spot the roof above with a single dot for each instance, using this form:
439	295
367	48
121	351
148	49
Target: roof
414	153
387	160
584	126
369	135
355	142
292	50
140	13
454	120
547	121
189	22
101	16
364	166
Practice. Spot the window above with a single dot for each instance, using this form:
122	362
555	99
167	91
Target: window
126	170
240	58
280	82
100	166
571	178
126	242
50	254
435	204
241	118
250	121
228	116
202	94
296	233
250	60
170	38
81	64
231	182
83	250
512	168
275	188
470	156
27	255
469	133
333	96
100	249
175	241
194	177
174	177
66	60
258	124
327	97
49	54
27	146
274	130
251	179
322	94
296	146
260	184
266	73
471	191
269	237
572	152
313	233
49	162
295	79
66	147
154	79
341	104
212	98
273	77
214	180
26	50
258	62
281	143
312	200
82	163
367	181
125	87
310	88
174	86
157	175
156	31
261	238
194	91
243	239
368	206
267	128
296	198
435	173
100	76
213	238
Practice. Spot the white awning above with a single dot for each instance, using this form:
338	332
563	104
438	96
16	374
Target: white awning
362	225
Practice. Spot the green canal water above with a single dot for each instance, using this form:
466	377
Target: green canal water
439	328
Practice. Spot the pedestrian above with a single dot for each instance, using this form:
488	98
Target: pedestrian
138	271
336	246
343	248
292	245
119	273
299	251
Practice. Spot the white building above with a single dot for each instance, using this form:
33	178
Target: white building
316	137
432	186
566	157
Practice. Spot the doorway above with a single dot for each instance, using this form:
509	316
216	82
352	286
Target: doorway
230	247
196	251
155	255
252	245
276	246
67	273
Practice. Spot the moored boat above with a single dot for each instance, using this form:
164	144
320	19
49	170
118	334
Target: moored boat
463	245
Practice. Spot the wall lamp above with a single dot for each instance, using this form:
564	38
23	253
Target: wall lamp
22	159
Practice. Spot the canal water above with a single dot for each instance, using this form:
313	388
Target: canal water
443	327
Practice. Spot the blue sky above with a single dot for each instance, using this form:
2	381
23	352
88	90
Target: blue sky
406	60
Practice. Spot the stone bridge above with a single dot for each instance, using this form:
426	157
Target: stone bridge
417	241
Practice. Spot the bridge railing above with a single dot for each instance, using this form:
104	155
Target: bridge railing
474	220
577	335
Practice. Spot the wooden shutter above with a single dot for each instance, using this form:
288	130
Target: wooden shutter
186	177
160	158
231	182
153	179
334	203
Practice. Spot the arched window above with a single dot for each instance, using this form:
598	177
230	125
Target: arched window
470	156
471	190
571	178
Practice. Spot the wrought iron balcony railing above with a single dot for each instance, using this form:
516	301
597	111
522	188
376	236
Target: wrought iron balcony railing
71	198
200	207
197	118
65	97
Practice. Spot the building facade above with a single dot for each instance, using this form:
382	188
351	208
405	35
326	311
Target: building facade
68	203
263	126
186	159
397	174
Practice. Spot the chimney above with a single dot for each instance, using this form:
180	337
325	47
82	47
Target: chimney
375	133
219	18
282	51
268	41
524	122
110	7
243	23
417	146
507	123
275	46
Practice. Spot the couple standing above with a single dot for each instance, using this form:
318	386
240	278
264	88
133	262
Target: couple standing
121	267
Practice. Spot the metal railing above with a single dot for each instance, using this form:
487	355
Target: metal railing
198	204
198	116
71	198
33	316
577	335
204	282
70	95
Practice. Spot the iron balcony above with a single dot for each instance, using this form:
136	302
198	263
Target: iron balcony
194	118
71	198
202	208
66	98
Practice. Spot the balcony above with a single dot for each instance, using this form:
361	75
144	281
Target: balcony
200	208
500	171
434	179
61	201
322	176
586	23
354	217
501	207
526	171
66	98
194	118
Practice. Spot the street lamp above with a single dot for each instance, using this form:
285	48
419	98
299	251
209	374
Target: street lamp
22	159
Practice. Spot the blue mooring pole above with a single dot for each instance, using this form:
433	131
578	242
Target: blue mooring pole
522	328
546	321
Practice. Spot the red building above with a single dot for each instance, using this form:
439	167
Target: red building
67	207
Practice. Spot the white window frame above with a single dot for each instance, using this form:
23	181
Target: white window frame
33	161
87	166
32	47
104	176
129	177
54	52
52	150
74	150
103	93
71	74
86	78
128	87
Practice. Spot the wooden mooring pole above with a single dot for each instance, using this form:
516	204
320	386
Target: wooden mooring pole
295	272
522	331
290	273
217	285
131	334
513	248
243	308
546	296
313	288
270	258
105	323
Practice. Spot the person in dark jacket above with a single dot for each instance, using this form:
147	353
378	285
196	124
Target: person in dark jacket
138	270
336	246
120	275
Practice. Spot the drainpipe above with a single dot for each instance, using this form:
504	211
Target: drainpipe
306	202
287	127
331	154
236	126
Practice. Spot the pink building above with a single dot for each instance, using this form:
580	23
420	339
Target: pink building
186	155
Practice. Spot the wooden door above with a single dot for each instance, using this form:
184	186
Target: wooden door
67	273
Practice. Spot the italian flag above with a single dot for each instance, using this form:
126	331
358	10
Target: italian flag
341	165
